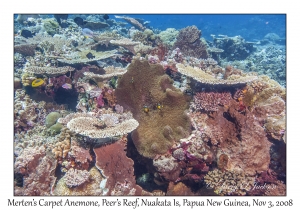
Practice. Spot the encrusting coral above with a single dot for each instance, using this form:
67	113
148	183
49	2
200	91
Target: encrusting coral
90	187
229	182
74	178
166	122
117	169
37	169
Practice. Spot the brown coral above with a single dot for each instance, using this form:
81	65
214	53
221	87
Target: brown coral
188	41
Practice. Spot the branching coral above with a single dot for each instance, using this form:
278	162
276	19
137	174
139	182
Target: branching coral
62	147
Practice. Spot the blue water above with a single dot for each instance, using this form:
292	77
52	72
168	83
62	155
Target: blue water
250	27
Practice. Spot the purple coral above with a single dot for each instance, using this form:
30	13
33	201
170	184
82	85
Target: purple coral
210	101
74	178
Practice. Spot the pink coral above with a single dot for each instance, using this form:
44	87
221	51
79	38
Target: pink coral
74	178
210	101
37	169
113	163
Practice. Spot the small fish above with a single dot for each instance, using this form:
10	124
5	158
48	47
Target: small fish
90	55
105	17
78	21
87	32
146	109
67	86
26	33
159	106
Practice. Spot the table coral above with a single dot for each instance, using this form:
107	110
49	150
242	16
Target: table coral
146	84
203	77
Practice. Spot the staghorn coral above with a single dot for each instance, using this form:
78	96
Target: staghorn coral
49	71
229	182
146	84
206	78
87	188
117	168
188	41
75	178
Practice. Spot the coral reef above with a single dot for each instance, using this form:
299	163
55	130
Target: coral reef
206	78
37	170
132	21
102	107
234	48
189	42
93	127
146	84
210	101
229	182
168	36
74	178
87	188
117	169
49	71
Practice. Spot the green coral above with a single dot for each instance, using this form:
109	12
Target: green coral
168	36
51	26
56	128
51	118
